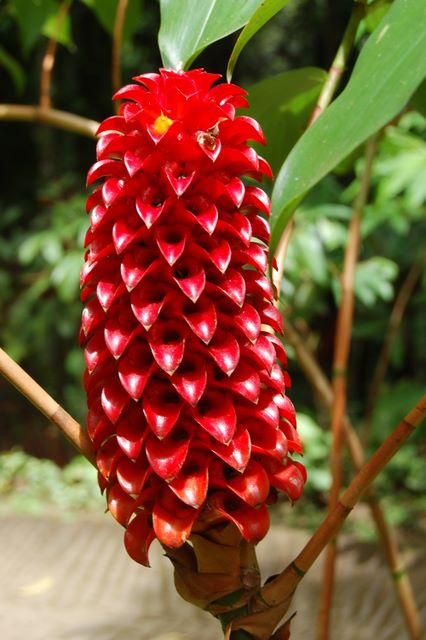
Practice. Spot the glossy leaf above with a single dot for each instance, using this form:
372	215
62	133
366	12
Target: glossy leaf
282	104
373	95
266	11
188	27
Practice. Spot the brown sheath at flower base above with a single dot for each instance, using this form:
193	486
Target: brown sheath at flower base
187	408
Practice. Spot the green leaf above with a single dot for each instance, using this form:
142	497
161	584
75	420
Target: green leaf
373	280
375	13
105	11
31	15
261	16
14	69
282	105
188	27
64	35
390	67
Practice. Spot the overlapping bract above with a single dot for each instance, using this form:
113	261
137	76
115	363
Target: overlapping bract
187	407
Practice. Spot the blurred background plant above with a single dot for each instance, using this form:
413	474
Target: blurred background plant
42	224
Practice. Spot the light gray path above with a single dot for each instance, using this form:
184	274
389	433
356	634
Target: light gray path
73	581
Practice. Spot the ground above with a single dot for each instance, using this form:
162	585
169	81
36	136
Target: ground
72	580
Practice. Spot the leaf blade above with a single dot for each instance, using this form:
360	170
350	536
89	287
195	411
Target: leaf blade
267	10
390	67
182	39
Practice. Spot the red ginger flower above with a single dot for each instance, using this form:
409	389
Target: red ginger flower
187	407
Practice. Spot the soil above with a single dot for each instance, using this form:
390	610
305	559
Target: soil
74	581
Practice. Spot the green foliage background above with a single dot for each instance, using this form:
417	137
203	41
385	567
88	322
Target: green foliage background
42	219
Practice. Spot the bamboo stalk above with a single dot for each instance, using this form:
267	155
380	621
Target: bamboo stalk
48	61
52	117
339	382
117	37
281	588
46	405
400	579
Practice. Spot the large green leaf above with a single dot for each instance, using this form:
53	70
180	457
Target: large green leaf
390	67
188	26
264	12
282	105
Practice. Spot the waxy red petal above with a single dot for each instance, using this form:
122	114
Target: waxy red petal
120	504
132	476
167	456
216	414
161	406
135	368
114	399
167	343
119	331
172	520
201	317
192	483
132	430
237	453
224	350
189	275
190	379
138	538
252	522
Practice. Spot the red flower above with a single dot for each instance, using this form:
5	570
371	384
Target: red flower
187	411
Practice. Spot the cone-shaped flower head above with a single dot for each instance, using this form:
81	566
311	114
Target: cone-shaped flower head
185	381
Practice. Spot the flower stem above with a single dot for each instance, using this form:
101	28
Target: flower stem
275	597
401	582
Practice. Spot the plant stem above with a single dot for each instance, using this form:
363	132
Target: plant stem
46	404
52	117
276	595
117	36
339	63
401	582
49	57
339	383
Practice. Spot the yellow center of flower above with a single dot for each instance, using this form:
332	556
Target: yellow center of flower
162	124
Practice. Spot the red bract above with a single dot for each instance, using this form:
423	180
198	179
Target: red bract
187	406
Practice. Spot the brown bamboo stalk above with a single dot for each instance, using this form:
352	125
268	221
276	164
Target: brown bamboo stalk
46	405
395	319
52	117
402	585
48	61
117	37
339	382
281	588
